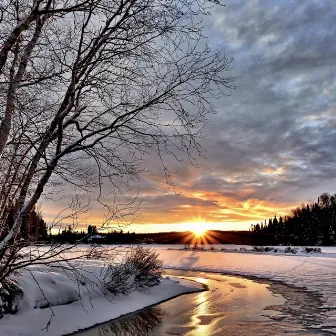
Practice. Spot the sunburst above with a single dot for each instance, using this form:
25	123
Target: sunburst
200	229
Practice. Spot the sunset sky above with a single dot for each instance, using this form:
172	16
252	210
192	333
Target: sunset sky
272	144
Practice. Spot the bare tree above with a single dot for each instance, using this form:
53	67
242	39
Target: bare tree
89	87
24	21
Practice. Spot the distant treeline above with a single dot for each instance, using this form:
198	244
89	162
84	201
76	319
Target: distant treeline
91	235
310	224
210	237
121	237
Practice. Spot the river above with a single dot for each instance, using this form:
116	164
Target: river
231	306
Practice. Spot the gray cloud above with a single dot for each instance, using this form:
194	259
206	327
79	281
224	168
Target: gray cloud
274	138
281	113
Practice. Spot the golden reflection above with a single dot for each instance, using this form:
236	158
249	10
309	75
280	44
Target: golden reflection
202	281
202	304
202	319
201	311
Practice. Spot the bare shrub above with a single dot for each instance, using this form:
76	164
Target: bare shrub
9	294
140	269
258	249
95	252
290	249
311	249
269	249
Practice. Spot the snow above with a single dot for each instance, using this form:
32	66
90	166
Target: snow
316	272
245	248
71	314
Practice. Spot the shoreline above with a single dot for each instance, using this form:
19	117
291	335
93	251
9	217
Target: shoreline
205	288
81	315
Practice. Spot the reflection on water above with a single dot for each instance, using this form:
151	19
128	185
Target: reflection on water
228	301
231	306
139	324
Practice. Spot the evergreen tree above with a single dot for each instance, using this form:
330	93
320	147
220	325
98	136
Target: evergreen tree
310	224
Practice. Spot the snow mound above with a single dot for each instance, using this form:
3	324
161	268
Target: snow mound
55	303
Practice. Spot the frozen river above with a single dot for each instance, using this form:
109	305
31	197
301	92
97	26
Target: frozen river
231	306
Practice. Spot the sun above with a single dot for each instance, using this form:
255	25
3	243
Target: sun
199	229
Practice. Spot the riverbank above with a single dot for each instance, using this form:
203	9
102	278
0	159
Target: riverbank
69	314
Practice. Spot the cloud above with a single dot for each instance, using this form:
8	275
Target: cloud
272	144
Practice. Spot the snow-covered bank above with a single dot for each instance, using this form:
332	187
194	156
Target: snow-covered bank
315	272
71	314
299	250
304	250
80	289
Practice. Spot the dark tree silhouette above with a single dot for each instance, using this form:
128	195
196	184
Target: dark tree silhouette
310	224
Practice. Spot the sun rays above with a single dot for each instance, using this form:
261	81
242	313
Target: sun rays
199	232
200	228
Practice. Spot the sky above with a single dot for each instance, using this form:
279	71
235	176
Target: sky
272	144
